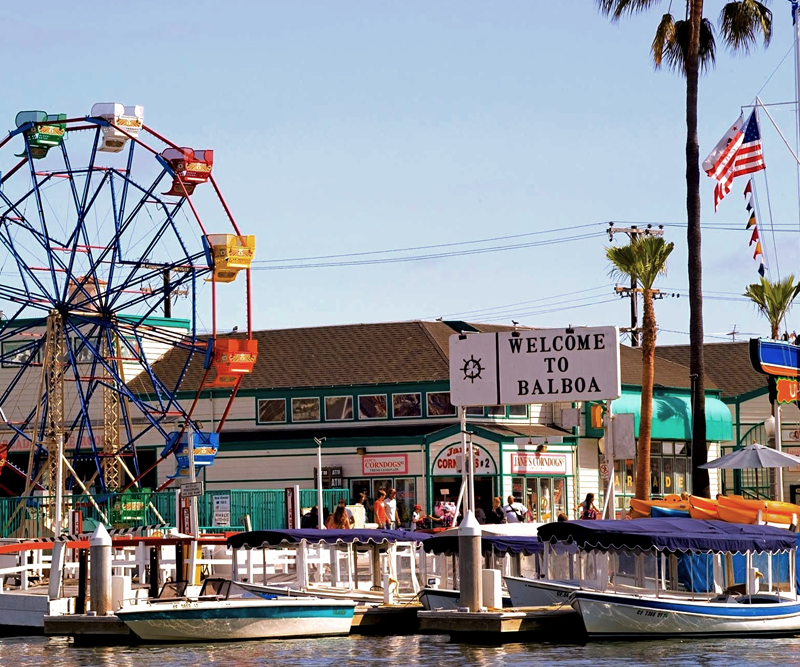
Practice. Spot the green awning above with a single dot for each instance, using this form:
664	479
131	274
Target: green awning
672	416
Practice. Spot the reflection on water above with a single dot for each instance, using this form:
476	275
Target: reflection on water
414	650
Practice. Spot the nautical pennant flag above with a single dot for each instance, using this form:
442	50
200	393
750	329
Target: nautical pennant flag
752	221
761	269
748	189
758	250
738	153
754	237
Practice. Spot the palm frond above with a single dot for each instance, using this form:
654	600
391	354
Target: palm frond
665	37
741	22
616	9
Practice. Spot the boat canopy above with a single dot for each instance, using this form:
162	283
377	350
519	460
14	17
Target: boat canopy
259	539
668	534
447	543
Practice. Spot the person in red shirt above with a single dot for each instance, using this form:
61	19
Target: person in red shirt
381	518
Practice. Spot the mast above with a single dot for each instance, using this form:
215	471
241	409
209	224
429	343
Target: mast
796	24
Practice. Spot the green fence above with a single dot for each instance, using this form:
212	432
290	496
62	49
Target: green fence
266	508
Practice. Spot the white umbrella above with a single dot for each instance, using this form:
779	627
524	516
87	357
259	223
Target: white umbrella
754	456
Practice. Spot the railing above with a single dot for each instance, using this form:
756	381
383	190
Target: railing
29	517
748	483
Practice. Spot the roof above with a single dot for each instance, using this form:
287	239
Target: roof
367	354
727	366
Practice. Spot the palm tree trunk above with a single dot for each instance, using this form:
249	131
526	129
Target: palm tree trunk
700	480
642	490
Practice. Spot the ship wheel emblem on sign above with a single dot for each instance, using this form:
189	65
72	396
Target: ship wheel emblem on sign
472	369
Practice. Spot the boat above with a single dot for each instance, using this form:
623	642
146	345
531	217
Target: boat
657	512
644	508
700	513
223	611
525	592
685	578
433	599
772	507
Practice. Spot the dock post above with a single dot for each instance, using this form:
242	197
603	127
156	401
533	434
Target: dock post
155	570
100	574
83	570
179	562
56	570
469	562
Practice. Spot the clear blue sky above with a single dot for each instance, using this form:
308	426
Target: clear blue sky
360	126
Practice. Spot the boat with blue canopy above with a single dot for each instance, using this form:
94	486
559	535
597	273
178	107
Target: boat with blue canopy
679	577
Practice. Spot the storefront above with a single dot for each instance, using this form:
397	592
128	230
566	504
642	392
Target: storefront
446	471
539	474
386	472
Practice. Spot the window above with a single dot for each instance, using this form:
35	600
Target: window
16	352
496	411
517	410
475	410
305	409
439	404
372	406
338	408
83	353
271	410
406	405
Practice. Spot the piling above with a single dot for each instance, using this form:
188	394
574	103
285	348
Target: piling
469	562
100	571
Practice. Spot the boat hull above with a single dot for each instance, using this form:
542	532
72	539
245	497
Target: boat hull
538	592
606	615
437	599
237	620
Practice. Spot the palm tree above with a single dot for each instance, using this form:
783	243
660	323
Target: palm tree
688	46
642	261
773	300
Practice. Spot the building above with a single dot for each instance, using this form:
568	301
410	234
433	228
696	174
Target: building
379	396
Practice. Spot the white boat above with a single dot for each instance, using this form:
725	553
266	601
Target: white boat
525	592
677	577
436	599
224	612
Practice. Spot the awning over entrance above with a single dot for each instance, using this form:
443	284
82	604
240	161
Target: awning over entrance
672	416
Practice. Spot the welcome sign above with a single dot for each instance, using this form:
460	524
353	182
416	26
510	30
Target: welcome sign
535	366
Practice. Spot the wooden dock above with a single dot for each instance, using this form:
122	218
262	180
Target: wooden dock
89	630
399	619
557	623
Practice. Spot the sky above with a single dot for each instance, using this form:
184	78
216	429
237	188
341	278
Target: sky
367	126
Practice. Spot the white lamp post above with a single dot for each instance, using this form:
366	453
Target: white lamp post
319	442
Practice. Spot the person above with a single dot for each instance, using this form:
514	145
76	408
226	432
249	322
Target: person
350	520
496	514
480	515
785	336
515	512
587	509
561	517
390	505
417	518
380	510
340	520
310	519
327	518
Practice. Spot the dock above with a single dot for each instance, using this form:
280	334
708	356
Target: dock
557	623
398	619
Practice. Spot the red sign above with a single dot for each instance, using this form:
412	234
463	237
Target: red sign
539	463
385	464
787	390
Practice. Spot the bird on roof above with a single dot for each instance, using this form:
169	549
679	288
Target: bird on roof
438	319
235	329
515	323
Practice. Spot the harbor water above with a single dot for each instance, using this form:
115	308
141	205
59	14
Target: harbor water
410	650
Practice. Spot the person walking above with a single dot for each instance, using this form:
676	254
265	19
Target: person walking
586	509
515	512
340	519
380	510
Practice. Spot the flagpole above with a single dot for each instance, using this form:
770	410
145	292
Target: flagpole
796	22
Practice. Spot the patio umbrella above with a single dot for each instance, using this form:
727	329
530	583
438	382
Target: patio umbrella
754	456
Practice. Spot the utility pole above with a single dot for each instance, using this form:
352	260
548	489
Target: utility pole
634	232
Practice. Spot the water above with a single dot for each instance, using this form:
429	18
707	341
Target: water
413	650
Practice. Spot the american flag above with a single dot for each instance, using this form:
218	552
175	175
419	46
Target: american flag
738	153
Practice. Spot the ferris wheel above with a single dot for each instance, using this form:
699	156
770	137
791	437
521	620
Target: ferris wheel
106	267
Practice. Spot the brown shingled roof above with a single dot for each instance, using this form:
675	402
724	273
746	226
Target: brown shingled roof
365	354
727	365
